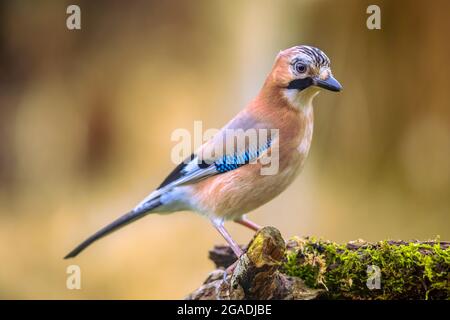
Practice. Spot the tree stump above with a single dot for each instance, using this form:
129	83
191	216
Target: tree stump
307	268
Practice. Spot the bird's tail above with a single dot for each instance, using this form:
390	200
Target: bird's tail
115	225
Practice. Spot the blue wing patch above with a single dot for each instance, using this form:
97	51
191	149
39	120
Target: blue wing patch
234	161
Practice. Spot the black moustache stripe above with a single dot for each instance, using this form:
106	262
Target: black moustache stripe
300	84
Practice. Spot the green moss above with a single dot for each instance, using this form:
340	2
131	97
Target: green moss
408	270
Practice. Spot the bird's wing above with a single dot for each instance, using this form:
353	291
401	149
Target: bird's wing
215	157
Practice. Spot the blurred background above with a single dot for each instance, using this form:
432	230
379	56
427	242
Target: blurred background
86	119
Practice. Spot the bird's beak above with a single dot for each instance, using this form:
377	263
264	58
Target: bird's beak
329	83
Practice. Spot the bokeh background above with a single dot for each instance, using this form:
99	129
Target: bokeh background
86	119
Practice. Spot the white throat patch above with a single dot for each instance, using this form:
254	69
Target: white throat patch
301	99
305	143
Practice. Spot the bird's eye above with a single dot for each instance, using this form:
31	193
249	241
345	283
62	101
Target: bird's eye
300	67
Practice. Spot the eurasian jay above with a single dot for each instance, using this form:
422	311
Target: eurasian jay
223	184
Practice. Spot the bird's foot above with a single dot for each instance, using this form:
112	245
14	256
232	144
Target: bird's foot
229	270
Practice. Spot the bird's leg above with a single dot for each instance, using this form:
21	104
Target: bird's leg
218	224
247	223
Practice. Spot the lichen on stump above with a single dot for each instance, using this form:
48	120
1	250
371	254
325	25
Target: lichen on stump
308	268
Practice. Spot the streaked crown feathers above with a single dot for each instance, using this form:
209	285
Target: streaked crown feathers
314	55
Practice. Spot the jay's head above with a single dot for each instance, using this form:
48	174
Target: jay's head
303	69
